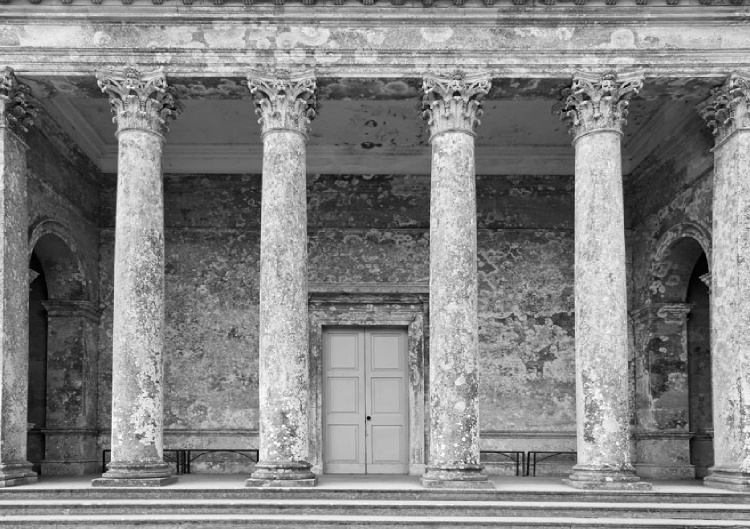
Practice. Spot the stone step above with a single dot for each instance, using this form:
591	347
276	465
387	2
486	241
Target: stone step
170	493
123	521
404	509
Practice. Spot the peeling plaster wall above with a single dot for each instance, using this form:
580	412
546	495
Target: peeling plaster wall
363	230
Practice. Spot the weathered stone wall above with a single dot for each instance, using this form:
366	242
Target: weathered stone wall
669	211
64	189
63	195
363	230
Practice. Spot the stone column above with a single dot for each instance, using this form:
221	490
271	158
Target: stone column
15	115
141	104
452	106
727	112
662	399
286	105
595	108
70	433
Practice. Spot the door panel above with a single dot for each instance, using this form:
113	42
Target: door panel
387	445
344	397
365	401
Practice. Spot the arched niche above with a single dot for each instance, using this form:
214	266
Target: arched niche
58	254
677	252
71	370
666	379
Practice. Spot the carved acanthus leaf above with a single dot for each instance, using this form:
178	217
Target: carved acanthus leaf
454	103
599	102
284	101
140	100
16	110
727	108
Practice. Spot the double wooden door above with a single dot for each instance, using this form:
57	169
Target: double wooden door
365	403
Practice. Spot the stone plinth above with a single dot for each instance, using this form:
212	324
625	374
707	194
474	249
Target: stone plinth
15	115
285	105
452	107
595	109
728	113
142	104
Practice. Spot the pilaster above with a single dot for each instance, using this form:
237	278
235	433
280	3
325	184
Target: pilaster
70	433
727	112
16	115
285	103
595	108
142	105
662	397
452	108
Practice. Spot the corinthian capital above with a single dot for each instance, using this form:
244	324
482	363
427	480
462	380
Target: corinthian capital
16	111
285	101
727	108
139	100
599	103
454	103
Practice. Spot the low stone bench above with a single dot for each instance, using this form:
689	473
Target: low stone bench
537	456
191	454
183	457
517	457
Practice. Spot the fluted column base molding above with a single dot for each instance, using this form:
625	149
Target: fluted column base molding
123	474
273	475
725	478
12	474
605	479
458	477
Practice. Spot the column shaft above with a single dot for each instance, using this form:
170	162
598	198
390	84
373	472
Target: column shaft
284	106
454	380
14	286
596	108
138	328
728	112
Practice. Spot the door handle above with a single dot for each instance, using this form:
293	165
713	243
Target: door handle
369	418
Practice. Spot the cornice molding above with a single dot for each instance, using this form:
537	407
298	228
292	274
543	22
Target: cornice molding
713	63
363	8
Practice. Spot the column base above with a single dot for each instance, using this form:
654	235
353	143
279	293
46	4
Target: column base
13	474
456	477
596	479
724	478
124	474
132	482
282	475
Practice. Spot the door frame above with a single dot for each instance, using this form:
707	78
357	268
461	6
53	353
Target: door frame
407	310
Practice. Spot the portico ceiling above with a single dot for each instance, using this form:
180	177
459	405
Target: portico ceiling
357	132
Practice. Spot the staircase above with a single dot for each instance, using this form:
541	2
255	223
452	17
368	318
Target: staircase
382	509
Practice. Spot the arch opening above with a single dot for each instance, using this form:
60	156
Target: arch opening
699	370
37	397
